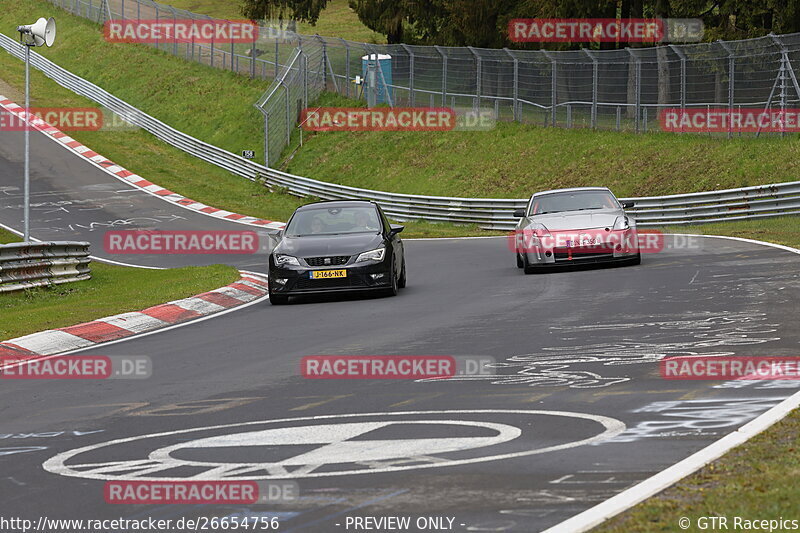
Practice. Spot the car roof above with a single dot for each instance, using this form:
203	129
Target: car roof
337	203
572	189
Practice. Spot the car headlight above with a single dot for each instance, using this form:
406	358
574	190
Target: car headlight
373	255
539	229
621	223
282	259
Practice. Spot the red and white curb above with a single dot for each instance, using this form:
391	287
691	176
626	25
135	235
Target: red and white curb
249	288
129	177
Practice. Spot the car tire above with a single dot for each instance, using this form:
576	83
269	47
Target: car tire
526	267
278	299
637	260
401	283
520	264
392	290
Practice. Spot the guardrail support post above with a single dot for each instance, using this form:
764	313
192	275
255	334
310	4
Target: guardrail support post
553	87
410	53
594	87
478	68
515	101
637	88
444	75
731	82
346	68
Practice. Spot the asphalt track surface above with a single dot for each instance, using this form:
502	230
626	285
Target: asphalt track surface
577	353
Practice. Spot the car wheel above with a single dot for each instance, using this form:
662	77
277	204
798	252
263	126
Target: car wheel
637	260
520	264
278	299
526	267
392	291
401	283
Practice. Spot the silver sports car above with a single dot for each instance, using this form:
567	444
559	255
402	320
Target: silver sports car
574	226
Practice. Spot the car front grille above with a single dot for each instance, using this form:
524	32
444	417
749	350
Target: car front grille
330	283
334	260
587	253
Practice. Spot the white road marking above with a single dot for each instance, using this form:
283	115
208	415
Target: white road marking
161	460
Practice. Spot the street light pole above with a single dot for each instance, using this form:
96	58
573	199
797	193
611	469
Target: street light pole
37	34
27	200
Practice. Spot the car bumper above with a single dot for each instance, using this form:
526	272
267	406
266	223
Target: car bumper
297	280
618	246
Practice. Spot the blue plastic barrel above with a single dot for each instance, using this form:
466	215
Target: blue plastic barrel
382	83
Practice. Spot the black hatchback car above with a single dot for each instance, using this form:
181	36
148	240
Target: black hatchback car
343	245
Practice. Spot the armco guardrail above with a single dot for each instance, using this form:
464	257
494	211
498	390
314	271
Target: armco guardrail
25	265
748	202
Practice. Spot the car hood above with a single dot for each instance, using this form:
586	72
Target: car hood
324	245
571	220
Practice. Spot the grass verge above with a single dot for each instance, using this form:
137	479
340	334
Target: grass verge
112	290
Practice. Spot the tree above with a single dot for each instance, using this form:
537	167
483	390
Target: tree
302	10
383	16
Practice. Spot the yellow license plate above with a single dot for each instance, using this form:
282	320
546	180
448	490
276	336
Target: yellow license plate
325	274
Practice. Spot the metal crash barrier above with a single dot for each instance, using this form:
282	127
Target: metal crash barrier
25	265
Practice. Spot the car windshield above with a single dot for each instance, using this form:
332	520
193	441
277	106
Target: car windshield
573	201
334	221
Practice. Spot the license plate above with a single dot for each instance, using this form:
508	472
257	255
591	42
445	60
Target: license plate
325	274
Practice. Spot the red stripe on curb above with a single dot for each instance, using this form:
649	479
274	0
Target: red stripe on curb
246	288
220	299
124	173
234	216
171	313
97	331
73	144
12	350
164	192
89	154
210	210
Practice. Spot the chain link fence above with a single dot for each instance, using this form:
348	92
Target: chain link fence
621	89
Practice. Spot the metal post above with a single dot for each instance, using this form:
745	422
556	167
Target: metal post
253	56
619	117
266	138
594	86
478	68
731	81
212	45
444	75
346	68
410	53
123	9
277	52
682	57
304	66
157	25
138	10
324	62
288	124
515	101
174	32
553	86
233	49
27	195
637	87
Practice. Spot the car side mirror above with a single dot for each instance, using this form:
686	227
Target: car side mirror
395	230
519	213
627	205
